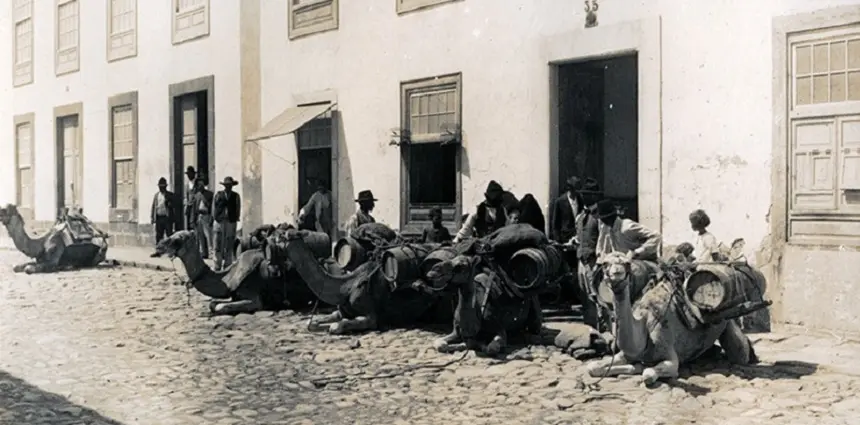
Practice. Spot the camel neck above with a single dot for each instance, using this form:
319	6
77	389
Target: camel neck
29	246
203	279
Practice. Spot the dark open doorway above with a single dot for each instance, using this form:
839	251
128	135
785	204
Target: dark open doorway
598	126
314	141
191	145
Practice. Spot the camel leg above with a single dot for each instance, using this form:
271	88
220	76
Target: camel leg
325	319
449	343
667	369
20	268
738	348
497	344
235	307
614	366
359	324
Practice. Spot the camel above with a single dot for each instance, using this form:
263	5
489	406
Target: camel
484	309
247	282
651	335
72	243
364	299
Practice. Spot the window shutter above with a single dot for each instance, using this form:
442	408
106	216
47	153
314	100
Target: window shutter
849	169
813	155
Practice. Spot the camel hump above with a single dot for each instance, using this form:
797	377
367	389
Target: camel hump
247	263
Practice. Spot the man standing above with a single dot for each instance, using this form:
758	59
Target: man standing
565	208
161	214
586	240
226	210
318	208
189	194
624	235
202	215
491	214
366	203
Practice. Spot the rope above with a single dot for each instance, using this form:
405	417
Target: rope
186	283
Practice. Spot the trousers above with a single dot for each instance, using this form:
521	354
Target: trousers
225	235
203	229
163	227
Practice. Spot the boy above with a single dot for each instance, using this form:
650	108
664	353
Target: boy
436	233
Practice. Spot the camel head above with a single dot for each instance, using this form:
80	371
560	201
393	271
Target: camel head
458	271
616	270
176	244
7	213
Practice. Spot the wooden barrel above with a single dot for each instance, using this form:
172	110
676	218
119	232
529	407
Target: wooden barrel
403	263
319	243
349	253
715	288
534	266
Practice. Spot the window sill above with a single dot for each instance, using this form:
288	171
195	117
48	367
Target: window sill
122	215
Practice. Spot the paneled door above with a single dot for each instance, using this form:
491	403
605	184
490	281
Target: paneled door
188	107
72	164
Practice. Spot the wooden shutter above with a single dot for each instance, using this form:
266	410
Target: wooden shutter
813	165
71	162
189	132
849	169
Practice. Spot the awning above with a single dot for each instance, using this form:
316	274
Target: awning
291	120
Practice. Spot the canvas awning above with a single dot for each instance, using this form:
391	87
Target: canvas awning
291	120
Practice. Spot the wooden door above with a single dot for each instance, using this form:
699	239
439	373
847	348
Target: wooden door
188	107
72	167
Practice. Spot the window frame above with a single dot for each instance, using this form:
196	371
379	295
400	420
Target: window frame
194	32
407	88
123	215
320	27
406	6
28	213
121	52
839	225
23	73
73	65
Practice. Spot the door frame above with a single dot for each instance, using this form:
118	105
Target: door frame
321	96
175	91
61	112
643	37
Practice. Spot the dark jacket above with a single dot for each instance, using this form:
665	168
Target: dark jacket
201	204
434	235
226	207
587	229
483	226
169	202
562	219
531	213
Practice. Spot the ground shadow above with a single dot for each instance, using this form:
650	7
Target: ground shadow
22	403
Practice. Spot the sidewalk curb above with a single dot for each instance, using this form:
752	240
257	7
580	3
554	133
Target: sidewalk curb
123	263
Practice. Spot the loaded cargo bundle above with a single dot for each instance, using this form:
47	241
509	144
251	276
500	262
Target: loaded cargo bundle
353	250
724	291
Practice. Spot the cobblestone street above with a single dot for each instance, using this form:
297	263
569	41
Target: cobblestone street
123	346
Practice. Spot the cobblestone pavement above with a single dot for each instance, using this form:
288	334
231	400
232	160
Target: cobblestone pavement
123	346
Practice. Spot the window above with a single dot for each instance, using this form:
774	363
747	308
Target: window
123	157
190	20
23	41
312	16
67	58
122	29
404	6
24	164
824	131
431	149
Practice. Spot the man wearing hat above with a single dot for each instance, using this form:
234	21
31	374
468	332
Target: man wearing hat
226	210
366	203
201	216
565	208
318	210
161	213
586	240
491	214
616	234
189	192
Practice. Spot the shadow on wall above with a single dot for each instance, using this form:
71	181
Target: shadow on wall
345	185
23	403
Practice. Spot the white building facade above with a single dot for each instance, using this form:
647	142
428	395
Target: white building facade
106	97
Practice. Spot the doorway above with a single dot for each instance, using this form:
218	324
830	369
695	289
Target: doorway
70	167
314	142
599	127
191	147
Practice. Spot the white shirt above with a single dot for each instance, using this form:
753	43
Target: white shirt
705	245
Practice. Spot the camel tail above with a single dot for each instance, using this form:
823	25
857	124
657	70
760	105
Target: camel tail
326	281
